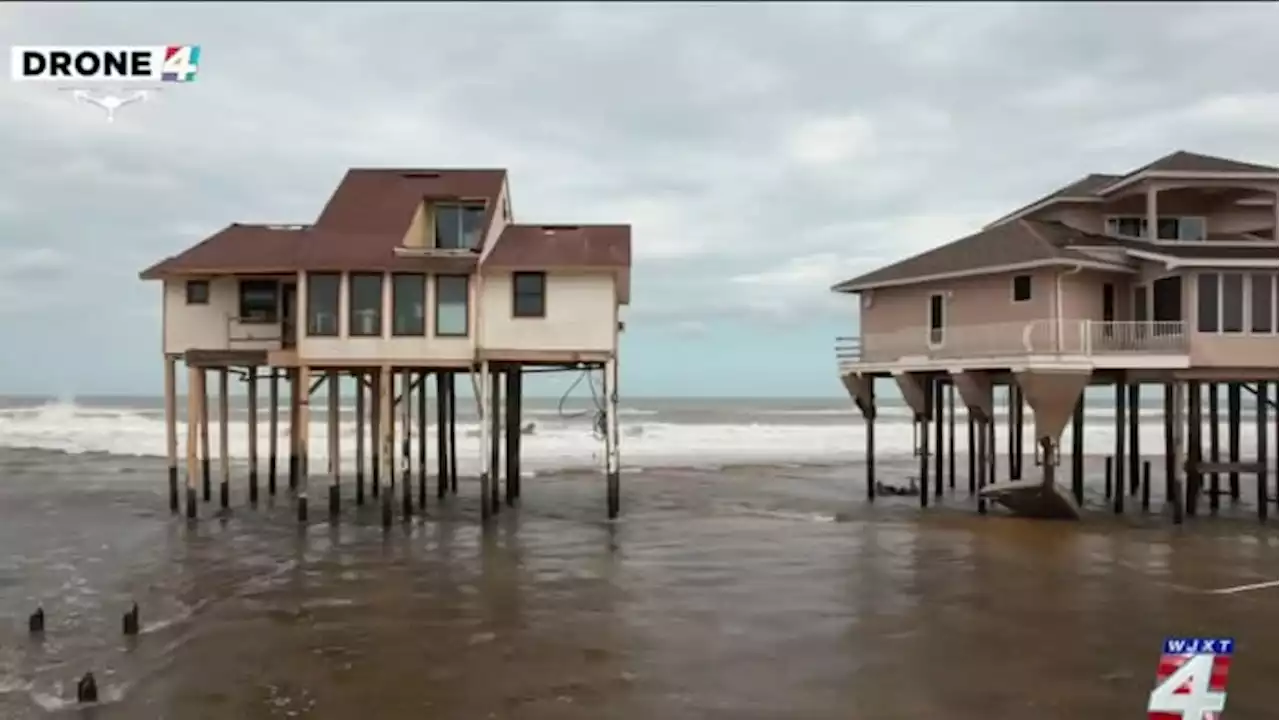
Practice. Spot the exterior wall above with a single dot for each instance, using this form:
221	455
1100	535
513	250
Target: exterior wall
1245	349
212	326
581	314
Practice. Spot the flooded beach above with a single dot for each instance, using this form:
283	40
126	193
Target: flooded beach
734	591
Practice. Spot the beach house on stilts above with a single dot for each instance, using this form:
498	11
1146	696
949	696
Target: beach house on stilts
1164	275
406	276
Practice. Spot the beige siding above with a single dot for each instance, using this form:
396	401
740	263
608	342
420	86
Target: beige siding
1228	350
580	314
968	301
212	326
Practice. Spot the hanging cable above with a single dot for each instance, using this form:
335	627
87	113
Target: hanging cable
599	425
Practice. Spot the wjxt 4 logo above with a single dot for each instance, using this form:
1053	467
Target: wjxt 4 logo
1191	681
95	74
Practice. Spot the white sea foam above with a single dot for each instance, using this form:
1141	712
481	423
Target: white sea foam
555	443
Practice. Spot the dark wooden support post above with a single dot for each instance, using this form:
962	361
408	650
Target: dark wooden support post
1172	450
1215	454
171	427
361	390
1195	446
985	447
333	428
869	430
376	422
514	397
1146	485
442	436
939	427
1108	475
992	452
1260	404
303	385
1233	438
453	432
384	397
951	435
1077	451
485	377
273	431
406	443
206	480
1117	497
1133	416
252	379
422	441
295	396
922	447
193	432
1016	448
613	458
495	440
973	453
224	449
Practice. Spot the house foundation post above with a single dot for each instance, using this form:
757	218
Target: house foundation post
453	432
484	381
1015	420
224	422
295	397
951	435
193	436
442	436
515	399
383	457
376	424
495	439
360	378
612	456
273	430
1215	455
171	427
251	420
939	438
1233	438
303	386
206	480
333	424
406	444
1077	451
1195	446
1261	401
972	446
1121	428
862	390
1133	415
422	441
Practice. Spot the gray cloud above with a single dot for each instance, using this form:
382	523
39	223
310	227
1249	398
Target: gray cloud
757	148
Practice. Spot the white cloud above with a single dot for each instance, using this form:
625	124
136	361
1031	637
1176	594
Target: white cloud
831	141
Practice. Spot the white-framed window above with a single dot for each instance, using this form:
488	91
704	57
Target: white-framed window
1168	227
937	317
1236	302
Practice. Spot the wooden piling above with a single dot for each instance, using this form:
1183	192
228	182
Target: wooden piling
1015	420
1233	438
303	482
224	456
951	435
1108	476
1077	451
922	447
1261	400
333	426
1146	485
1133	416
973	450
1195	447
193	436
295	395
1215	455
514	398
485	381
361	391
406	443
422	441
251	420
442	437
869	428
985	448
376	425
273	430
171	426
1173	451
495	440
386	444
453	432
939	439
613	462
1121	430
206	479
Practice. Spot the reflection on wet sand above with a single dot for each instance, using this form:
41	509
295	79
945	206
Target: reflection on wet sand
731	594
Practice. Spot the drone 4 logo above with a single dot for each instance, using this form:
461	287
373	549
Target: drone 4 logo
111	102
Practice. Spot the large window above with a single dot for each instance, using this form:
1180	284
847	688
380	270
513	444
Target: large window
529	294
323	290
366	305
1233	302
458	226
408	304
1262	304
1167	227
259	301
451	305
1021	288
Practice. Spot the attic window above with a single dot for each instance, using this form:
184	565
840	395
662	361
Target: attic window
420	175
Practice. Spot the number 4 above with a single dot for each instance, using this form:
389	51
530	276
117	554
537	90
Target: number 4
1194	675
182	63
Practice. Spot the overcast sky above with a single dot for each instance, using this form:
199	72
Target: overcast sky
761	152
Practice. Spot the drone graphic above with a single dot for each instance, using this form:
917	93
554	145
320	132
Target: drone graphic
111	103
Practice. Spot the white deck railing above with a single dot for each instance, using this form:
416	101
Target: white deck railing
1038	337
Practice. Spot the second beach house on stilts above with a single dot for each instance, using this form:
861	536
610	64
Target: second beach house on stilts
1161	276
406	276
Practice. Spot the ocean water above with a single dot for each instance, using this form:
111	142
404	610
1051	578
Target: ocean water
747	578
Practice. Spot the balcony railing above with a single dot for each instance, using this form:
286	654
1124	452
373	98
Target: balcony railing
1038	337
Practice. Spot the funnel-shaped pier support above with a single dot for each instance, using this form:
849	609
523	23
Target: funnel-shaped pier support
1052	396
862	391
915	393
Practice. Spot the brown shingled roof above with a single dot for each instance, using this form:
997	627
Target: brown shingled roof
383	200
540	247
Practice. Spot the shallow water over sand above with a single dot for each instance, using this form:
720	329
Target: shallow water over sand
741	593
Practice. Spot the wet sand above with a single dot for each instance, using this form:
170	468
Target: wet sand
739	593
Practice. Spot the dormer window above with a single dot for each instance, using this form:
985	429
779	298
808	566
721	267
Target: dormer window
458	226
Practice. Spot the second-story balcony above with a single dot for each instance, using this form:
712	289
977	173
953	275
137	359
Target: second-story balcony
1072	339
